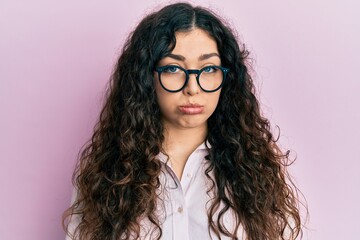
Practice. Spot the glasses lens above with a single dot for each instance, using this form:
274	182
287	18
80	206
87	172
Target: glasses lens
211	78
173	78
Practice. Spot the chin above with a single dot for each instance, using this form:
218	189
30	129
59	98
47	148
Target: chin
192	124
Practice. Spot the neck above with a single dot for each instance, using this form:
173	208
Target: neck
186	139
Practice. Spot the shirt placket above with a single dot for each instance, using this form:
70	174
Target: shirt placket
180	215
179	208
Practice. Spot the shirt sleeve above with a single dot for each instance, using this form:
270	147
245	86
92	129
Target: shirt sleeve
73	221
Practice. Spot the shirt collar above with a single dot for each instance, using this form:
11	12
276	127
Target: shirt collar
203	145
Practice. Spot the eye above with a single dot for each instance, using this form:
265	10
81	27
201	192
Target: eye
171	69
209	69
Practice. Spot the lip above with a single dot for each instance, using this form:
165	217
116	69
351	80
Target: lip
191	109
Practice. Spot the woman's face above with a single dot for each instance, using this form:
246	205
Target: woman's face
191	107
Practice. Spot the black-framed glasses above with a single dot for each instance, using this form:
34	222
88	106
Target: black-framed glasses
174	78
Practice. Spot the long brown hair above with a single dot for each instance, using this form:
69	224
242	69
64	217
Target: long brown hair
118	171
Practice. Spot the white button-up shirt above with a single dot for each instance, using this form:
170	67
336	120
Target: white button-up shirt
187	201
184	203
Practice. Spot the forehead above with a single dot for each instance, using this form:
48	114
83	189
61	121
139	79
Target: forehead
194	43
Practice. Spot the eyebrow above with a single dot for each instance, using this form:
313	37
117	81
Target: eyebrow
201	58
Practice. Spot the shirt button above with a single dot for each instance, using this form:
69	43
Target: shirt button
180	209
188	175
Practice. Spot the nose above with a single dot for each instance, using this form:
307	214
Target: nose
192	87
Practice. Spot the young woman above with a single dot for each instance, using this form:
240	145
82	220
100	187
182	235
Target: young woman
181	150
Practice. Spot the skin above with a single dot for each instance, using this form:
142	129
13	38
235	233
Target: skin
184	132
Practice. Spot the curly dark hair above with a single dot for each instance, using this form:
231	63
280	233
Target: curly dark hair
118	171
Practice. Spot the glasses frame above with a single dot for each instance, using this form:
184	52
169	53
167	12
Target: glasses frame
159	70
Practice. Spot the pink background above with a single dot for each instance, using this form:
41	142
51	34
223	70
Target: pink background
56	58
